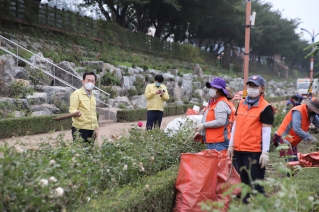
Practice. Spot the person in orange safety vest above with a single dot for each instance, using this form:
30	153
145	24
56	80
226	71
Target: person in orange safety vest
294	127
215	126
250	136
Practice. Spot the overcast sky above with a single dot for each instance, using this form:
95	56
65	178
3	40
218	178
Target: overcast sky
306	10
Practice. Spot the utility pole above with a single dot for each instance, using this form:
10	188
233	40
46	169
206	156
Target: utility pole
247	41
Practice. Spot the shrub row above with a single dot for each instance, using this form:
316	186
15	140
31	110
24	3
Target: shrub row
154	193
277	99
86	172
32	125
141	114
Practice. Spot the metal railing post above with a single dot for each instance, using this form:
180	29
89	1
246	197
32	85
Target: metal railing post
17	55
54	75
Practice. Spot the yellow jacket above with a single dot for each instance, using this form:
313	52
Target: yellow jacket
155	101
79	100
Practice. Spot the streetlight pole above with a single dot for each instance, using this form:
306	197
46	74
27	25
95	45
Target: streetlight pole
313	36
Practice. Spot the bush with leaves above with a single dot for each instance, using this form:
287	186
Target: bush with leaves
6	109
66	175
109	79
38	78
140	85
18	90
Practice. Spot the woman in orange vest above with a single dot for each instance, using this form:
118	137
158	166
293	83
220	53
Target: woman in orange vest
215	126
295	125
250	137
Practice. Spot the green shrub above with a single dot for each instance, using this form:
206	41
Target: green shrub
31	125
131	92
141	114
109	90
140	85
155	193
6	109
86	171
109	79
18	90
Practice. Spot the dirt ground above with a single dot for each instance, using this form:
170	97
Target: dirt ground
106	131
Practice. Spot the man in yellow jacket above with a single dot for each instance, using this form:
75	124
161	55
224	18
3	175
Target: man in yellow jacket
83	103
155	93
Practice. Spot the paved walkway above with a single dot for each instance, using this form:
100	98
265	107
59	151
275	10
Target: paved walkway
107	131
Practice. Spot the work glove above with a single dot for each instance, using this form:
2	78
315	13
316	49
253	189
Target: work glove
199	127
230	151
313	138
264	159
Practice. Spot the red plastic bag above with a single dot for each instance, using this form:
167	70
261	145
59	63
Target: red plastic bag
191	111
309	160
204	176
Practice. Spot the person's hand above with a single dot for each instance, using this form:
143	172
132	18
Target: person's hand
313	138
264	159
158	92
77	113
199	127
161	92
230	151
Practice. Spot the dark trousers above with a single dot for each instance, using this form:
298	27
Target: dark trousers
154	117
249	170
85	134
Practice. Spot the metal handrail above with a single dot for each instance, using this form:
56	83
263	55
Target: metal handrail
46	72
42	58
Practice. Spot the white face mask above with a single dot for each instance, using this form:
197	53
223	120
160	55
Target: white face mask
89	86
253	92
212	93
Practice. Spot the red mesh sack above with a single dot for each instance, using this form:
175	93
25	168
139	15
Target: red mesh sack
204	176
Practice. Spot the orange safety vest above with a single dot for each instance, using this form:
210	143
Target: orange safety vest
215	135
232	115
248	132
292	137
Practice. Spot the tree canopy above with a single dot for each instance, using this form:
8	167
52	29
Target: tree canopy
217	25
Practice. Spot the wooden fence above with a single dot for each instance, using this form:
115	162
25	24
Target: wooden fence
44	16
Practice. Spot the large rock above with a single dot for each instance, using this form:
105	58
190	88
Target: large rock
20	104
198	71
39	60
38	98
46	108
19	73
189	77
187	87
140	70
173	71
95	64
9	59
139	101
41	113
68	74
236	84
125	81
58	93
197	85
168	76
108	113
6	78
153	72
122	100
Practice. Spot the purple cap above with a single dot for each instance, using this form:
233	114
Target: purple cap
218	83
257	80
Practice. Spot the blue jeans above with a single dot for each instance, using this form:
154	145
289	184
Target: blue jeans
218	146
